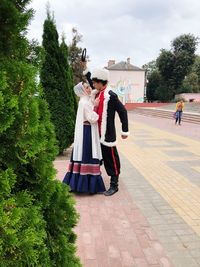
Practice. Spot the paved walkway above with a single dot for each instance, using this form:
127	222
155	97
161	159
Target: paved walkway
154	220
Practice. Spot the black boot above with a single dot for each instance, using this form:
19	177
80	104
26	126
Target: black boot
113	186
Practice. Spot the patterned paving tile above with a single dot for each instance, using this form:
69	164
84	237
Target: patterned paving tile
187	169
179	153
169	228
152	142
169	200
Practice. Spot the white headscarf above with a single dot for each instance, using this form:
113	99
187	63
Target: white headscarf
79	90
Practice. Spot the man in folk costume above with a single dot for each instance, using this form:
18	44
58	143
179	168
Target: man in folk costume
108	105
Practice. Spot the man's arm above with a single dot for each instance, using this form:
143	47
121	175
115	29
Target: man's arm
122	112
87	74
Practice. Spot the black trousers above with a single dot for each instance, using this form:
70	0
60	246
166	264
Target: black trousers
111	160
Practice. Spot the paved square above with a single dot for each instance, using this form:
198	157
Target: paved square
154	219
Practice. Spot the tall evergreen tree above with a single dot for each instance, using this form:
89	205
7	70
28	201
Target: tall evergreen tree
67	91
57	83
50	73
36	211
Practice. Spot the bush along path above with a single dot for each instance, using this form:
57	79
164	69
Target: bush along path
37	213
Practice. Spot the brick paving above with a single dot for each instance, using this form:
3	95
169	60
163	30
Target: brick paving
154	219
113	231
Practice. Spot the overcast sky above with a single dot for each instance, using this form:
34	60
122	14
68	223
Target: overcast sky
118	29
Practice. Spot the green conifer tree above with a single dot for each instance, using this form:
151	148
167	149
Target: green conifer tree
36	211
57	83
69	107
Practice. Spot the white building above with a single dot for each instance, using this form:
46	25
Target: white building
127	81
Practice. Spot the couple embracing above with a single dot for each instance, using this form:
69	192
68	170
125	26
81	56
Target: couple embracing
95	136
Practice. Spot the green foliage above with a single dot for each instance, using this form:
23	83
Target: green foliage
153	84
185	42
61	217
57	82
36	54
22	227
165	63
190	84
174	65
14	20
164	92
8	104
196	67
150	67
36	212
68	94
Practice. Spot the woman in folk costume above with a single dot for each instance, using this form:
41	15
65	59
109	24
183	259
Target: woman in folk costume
84	168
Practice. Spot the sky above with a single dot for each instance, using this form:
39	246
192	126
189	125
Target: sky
120	29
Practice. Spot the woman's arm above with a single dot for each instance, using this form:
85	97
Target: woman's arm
90	115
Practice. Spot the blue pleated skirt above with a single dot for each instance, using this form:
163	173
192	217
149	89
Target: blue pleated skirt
85	176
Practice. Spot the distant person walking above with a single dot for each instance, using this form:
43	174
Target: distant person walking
179	111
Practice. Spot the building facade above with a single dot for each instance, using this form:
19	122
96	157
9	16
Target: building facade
127	80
